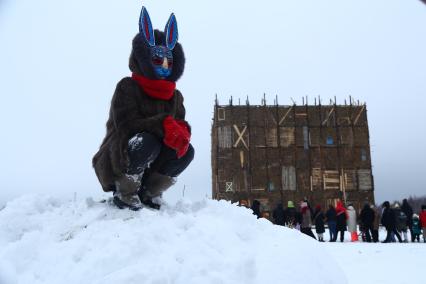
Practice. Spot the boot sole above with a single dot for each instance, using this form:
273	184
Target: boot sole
148	202
121	205
151	205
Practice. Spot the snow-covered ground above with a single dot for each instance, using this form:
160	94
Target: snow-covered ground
43	240
380	263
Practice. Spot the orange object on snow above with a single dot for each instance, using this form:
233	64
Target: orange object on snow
354	237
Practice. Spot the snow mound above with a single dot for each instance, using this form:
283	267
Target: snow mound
43	240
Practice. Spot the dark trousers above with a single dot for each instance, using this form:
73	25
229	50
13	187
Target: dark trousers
367	230
375	234
342	235
410	227
308	231
332	230
416	237
149	154
389	235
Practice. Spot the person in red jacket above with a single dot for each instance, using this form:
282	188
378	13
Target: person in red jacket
423	221
342	217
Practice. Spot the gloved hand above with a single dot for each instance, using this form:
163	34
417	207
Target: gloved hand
176	135
186	138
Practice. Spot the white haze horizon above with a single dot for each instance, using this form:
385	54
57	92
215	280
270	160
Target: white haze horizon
60	62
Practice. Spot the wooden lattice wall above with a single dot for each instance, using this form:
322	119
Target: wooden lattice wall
276	153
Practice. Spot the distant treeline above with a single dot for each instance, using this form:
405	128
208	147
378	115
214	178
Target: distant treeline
415	202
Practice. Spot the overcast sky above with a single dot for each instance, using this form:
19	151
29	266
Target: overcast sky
60	62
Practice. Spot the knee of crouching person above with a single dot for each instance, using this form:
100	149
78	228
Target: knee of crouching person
145	139
189	156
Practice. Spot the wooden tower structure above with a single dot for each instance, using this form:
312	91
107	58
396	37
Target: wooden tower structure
276	153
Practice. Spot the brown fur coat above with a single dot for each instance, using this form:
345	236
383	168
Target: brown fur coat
132	111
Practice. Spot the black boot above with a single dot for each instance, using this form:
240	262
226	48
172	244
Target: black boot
142	150
149	203
153	186
125	194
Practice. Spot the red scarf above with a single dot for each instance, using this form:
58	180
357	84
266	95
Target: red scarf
157	89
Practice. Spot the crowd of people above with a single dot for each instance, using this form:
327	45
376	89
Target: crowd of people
398	220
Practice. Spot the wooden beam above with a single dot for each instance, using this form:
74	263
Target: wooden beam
359	115
328	117
285	116
240	136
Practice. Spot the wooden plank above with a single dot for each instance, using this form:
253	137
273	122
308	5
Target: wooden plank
316	178
289	178
224	136
242	159
364	178
350	180
359	115
305	137
331	180
221	114
240	136
271	138
285	116
328	117
287	136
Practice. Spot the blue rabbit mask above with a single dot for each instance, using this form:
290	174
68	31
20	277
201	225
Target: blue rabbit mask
161	54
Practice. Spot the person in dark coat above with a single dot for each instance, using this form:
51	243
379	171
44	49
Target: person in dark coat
408	211
401	222
417	228
341	224
305	199
376	223
389	222
256	208
367	221
306	225
319	223
146	145
331	218
278	215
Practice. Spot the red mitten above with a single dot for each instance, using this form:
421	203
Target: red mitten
176	135
184	127
171	132
186	137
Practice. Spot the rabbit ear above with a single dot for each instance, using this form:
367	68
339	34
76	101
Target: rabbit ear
171	31
145	27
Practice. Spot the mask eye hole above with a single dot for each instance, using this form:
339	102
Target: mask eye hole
157	60
170	61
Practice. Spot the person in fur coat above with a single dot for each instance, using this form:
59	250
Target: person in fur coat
146	145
